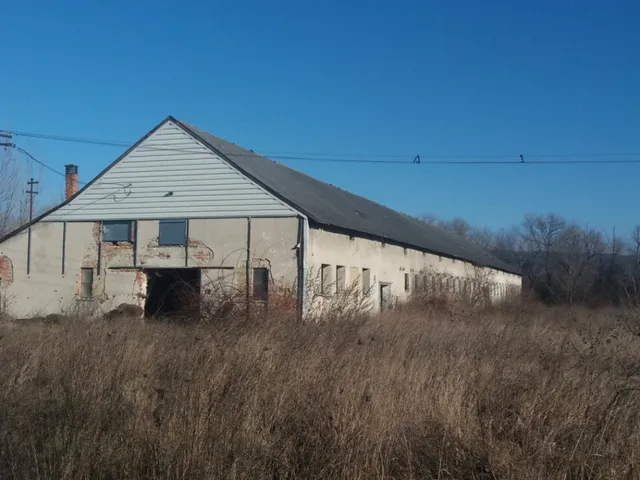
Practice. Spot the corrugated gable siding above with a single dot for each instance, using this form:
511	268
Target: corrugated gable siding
170	160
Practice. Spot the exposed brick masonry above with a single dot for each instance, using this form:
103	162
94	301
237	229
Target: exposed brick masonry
6	271
71	181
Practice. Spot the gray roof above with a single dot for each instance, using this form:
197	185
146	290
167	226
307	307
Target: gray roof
330	206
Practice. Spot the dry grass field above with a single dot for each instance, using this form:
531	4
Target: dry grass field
438	394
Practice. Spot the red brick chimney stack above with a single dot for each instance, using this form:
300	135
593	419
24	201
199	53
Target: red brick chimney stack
71	181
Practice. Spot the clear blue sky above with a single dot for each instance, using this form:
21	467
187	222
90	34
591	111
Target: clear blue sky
350	77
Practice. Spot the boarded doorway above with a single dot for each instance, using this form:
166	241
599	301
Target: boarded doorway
385	296
172	292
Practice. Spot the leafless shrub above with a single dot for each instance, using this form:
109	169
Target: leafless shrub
221	302
330	301
437	288
13	207
563	262
5	301
83	310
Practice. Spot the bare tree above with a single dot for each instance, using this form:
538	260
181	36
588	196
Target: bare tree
13	205
562	261
429	218
458	227
577	263
611	269
630	281
539	235
481	236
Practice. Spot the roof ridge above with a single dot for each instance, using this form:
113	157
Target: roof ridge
335	207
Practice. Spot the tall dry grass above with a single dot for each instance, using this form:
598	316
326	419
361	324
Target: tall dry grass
548	394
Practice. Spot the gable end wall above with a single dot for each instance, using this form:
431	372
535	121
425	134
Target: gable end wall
171	175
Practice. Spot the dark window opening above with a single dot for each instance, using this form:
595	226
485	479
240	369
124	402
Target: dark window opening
173	292
86	283
407	282
116	231
172	232
261	283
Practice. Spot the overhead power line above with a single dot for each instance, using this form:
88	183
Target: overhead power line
51	169
44	165
394	159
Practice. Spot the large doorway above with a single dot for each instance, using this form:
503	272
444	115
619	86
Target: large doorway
172	292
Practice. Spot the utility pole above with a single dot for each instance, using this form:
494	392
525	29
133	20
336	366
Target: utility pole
31	193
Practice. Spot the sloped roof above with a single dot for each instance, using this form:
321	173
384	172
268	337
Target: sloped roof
330	206
324	204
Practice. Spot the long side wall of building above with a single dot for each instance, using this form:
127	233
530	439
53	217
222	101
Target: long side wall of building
63	256
338	261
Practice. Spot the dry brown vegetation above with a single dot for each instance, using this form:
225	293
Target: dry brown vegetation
542	393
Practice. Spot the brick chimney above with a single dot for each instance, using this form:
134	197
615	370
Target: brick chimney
71	181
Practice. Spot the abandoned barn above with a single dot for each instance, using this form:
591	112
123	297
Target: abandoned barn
183	207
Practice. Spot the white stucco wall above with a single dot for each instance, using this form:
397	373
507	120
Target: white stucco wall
213	244
218	246
389	264
46	289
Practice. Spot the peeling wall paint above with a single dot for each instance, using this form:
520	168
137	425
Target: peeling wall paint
213	244
218	246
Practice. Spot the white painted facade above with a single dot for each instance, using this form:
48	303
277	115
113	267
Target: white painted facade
403	269
234	226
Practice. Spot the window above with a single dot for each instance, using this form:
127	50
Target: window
407	282
340	278
260	283
425	283
172	232
325	287
416	282
116	231
366	281
86	283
